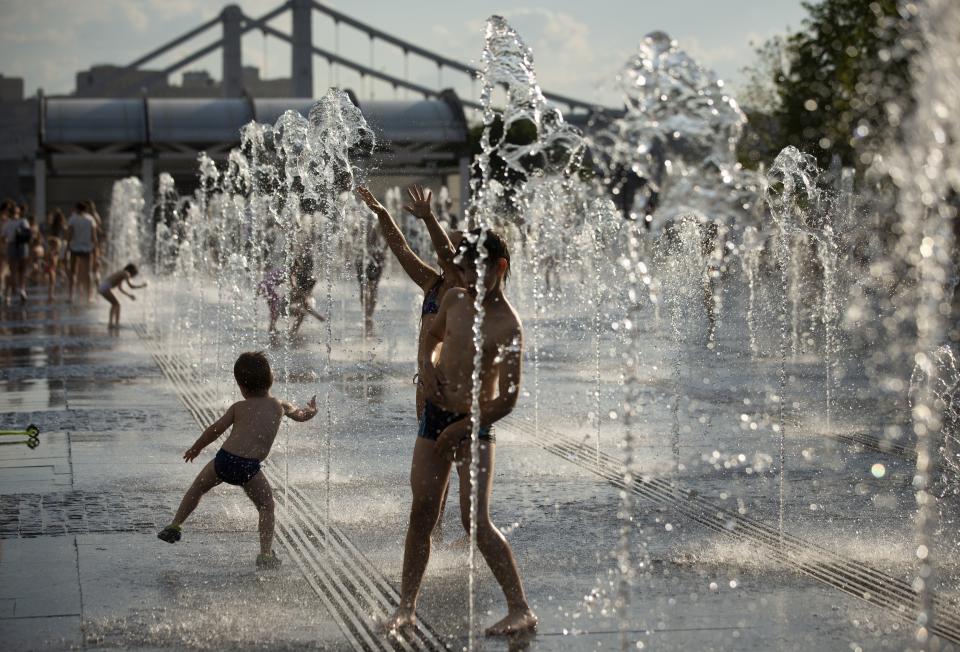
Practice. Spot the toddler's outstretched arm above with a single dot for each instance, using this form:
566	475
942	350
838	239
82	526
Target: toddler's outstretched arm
209	435
301	414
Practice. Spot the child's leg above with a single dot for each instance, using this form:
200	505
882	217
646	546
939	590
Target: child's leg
494	547
206	480
114	307
71	276
429	473
258	490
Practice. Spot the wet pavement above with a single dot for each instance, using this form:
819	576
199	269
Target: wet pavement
80	566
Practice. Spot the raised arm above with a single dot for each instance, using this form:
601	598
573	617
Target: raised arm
419	207
418	271
300	414
135	287
509	370
210	435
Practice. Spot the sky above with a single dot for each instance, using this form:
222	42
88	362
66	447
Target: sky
578	46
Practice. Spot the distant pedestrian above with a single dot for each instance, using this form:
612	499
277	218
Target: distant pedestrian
16	235
270	287
6	210
51	264
115	282
82	242
302	282
255	422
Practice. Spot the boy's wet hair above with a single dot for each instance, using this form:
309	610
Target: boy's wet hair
493	242
131	269
252	371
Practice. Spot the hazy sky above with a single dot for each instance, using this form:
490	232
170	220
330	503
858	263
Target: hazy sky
578	45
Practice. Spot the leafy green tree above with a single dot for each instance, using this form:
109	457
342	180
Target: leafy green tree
843	84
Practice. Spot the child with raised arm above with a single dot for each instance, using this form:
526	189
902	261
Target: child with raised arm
445	429
115	282
433	283
255	422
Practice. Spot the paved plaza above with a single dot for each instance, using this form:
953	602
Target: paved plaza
81	568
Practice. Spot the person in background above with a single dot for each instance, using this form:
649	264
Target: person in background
101	242
302	282
16	235
38	251
6	210
51	264
115	282
82	241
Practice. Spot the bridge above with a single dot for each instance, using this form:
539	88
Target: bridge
91	141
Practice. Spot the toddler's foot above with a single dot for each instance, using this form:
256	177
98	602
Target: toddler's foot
268	562
170	534
517	622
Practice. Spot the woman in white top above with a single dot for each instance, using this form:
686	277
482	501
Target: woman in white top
82	244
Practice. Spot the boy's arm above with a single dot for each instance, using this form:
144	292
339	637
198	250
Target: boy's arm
209	435
420	208
412	264
450	440
135	287
300	414
510	369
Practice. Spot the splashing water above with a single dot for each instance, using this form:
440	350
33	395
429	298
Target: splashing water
125	223
673	152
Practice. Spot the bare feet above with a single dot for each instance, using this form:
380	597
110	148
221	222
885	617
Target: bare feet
516	622
401	619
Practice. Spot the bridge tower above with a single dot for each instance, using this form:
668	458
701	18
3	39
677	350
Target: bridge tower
232	19
301	64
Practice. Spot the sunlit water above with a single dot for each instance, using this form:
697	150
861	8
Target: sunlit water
736	346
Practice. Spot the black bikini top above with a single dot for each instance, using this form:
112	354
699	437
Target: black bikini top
431	303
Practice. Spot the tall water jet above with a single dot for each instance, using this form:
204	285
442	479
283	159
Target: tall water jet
673	152
508	63
926	168
790	188
126	224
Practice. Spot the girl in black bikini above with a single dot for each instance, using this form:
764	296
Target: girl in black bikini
433	283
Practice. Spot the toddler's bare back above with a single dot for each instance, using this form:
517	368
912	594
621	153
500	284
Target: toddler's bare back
255	424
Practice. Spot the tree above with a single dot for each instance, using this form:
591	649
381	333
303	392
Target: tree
844	83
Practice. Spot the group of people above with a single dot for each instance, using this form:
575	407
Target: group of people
59	250
472	262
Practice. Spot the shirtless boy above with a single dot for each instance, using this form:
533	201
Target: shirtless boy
255	422
445	428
